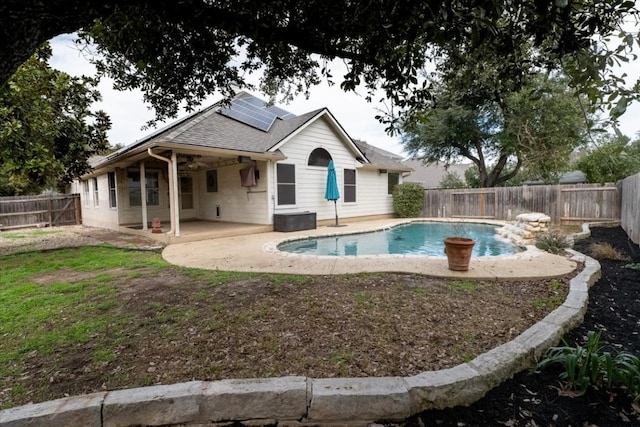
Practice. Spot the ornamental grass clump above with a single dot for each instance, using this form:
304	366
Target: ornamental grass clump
592	366
606	251
553	241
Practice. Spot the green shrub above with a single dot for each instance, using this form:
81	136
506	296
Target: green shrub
553	241
591	366
408	199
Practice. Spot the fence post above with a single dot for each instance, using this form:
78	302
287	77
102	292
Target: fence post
78	210
559	206
50	209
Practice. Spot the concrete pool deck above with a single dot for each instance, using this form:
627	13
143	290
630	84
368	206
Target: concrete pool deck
258	253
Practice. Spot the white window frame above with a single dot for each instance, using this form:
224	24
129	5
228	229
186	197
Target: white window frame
150	189
86	193
353	185
286	184
113	191
96	194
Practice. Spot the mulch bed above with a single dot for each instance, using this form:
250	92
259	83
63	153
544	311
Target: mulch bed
539	399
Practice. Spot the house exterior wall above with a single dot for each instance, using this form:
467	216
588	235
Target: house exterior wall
100	215
128	214
371	186
232	201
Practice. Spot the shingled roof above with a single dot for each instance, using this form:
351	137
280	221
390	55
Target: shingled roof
211	128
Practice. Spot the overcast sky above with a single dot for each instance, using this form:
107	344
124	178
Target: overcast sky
129	113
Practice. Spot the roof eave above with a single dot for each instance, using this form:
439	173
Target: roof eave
140	153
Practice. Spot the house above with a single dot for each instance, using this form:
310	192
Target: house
430	175
242	162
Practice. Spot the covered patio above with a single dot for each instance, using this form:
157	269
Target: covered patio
192	231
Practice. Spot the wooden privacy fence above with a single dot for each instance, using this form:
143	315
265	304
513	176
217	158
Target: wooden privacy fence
630	207
563	203
40	211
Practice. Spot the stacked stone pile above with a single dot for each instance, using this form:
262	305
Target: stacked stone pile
526	229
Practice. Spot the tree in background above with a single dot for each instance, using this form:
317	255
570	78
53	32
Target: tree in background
178	52
611	158
47	129
451	180
532	127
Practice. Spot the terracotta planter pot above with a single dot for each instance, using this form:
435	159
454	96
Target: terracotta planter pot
458	250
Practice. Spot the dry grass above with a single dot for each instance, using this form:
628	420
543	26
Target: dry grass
606	251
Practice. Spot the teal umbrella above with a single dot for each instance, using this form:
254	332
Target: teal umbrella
331	191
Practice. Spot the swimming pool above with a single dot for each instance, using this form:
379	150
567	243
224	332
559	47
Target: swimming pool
415	238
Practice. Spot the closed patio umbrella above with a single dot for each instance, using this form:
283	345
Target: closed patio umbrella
331	191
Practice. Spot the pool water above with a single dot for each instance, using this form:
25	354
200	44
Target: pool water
416	238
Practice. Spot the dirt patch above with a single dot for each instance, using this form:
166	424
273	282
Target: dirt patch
70	276
173	328
26	240
169	325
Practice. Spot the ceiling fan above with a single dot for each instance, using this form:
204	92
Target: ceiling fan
191	163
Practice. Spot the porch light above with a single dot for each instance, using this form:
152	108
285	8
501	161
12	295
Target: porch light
244	159
381	171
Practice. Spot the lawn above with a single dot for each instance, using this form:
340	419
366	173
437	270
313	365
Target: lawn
91	318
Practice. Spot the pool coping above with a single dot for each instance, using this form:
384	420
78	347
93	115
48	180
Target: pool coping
258	253
271	247
298	401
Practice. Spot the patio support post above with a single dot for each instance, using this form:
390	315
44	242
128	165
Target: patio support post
176	196
143	194
170	173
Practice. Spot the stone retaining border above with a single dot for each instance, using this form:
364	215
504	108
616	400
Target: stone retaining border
302	401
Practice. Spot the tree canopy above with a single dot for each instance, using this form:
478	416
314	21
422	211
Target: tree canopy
533	124
47	128
178	51
610	158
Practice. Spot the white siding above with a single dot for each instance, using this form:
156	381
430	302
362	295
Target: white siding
237	203
371	187
101	215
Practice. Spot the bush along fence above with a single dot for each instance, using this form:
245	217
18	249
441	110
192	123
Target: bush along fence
39	211
564	204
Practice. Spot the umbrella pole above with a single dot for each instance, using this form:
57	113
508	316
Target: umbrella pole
335	205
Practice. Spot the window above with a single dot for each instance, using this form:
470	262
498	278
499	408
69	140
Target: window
85	191
286	184
319	157
186	192
349	185
113	200
393	178
96	197
212	181
135	189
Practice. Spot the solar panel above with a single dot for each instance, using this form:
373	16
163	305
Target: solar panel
249	114
254	112
254	101
282	114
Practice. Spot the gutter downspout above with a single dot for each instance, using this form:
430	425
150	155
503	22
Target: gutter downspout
143	195
176	196
171	189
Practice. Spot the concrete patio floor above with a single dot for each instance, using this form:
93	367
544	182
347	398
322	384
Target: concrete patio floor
257	253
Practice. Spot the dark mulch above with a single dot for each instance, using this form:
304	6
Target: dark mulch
536	399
